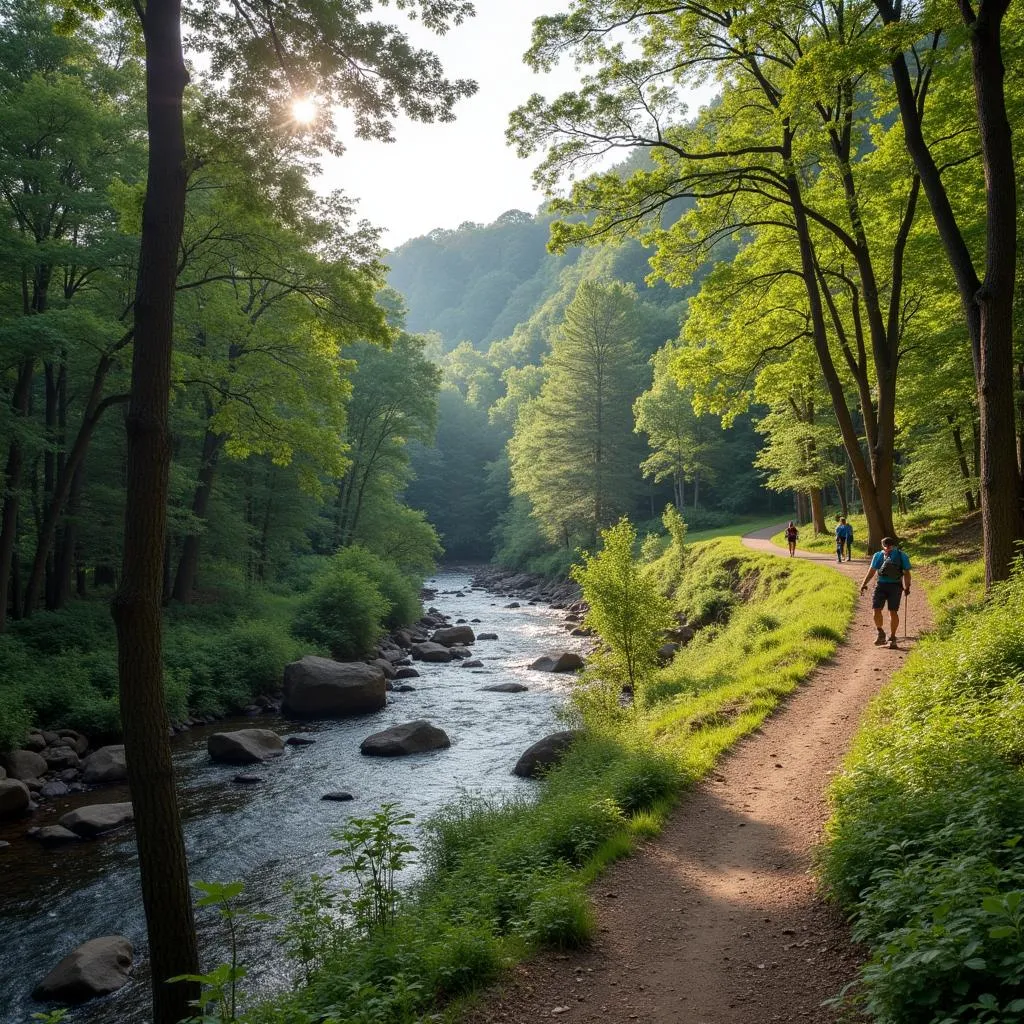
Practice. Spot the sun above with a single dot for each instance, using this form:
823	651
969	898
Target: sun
304	109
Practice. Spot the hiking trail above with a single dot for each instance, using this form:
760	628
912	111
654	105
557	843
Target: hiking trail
717	920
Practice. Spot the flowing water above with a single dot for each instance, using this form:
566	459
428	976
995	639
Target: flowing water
53	900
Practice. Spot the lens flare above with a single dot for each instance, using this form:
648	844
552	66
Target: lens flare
304	109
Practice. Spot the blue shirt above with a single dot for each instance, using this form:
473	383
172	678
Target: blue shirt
844	531
879	556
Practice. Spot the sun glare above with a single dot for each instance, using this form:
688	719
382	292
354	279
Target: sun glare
304	110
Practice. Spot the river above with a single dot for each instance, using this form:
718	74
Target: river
52	900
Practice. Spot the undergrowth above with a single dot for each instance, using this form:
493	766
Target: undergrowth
925	847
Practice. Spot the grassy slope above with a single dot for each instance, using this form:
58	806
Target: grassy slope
924	844
502	880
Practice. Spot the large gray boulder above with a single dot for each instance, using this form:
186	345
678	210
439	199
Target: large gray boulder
59	758
321	688
96	968
245	746
410	738
14	798
545	754
567	661
106	766
53	835
95	819
23	764
429	651
452	635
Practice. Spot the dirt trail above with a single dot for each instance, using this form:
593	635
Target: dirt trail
717	920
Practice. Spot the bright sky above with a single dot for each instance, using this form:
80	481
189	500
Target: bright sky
439	175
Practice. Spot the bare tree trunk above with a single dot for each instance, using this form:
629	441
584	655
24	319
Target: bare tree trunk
137	605
961	458
817	511
12	486
188	564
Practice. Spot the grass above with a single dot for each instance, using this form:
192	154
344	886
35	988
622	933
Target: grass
924	848
502	880
737	529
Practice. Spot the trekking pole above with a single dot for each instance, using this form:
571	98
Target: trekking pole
906	616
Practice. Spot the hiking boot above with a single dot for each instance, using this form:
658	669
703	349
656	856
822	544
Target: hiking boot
880	640
893	645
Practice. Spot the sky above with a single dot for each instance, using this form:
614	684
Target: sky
439	175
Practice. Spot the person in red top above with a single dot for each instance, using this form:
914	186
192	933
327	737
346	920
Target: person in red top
791	536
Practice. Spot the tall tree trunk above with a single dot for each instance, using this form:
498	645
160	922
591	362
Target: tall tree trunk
817	511
66	560
803	514
1020	418
12	488
961	458
844	505
188	563
137	606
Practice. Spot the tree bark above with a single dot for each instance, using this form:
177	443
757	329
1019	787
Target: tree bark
961	458
817	511
12	486
188	563
137	606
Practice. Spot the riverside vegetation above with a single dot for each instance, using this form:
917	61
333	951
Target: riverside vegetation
498	880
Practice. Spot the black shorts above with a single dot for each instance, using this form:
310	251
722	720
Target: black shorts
887	595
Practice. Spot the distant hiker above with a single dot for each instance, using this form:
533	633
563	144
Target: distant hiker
844	539
791	535
893	568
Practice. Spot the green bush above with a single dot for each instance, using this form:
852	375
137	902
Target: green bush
401	592
343	613
924	845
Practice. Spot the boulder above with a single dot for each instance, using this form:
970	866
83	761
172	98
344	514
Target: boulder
405	688
488	636
430	651
385	666
410	738
106	766
472	663
459	652
96	968
58	758
35	742
504	688
666	652
452	635
567	661
545	753
514	604
14	798
244	746
340	796
3	774
95	819
23	764
407	672
300	741
74	739
321	688
53	835
54	789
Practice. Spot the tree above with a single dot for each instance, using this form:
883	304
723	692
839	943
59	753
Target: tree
987	301
780	153
265	54
572	453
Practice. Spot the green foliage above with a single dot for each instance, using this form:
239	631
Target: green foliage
626	610
373	851
344	613
399	590
924	843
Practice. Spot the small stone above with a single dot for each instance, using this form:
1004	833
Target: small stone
340	796
248	780
299	741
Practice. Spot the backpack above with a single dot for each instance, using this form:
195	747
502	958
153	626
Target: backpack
791	533
892	565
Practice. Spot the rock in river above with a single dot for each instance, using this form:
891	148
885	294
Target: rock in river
452	635
14	798
53	835
410	738
95	819
429	651
321	688
545	753
340	796
95	968
245	746
105	767
567	661
504	688
23	764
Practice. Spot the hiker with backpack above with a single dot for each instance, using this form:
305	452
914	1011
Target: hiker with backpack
791	536
844	539
893	569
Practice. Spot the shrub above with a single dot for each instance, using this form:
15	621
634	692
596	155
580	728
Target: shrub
343	612
400	591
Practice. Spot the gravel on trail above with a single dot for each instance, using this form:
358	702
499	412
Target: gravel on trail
718	921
